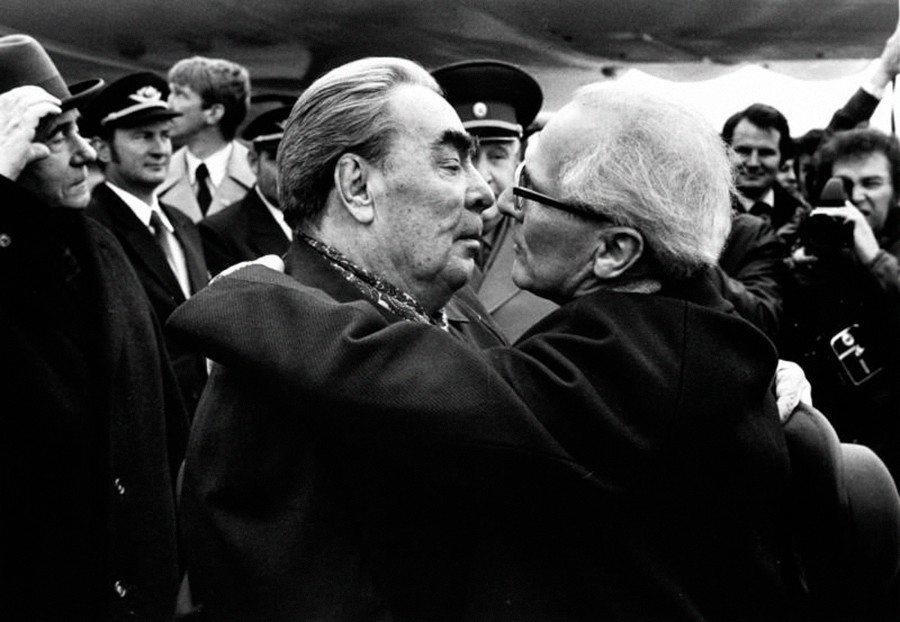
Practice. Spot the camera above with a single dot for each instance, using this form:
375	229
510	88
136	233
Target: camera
823	233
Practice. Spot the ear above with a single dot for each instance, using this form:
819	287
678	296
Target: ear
214	114
352	175
104	154
618	250
253	161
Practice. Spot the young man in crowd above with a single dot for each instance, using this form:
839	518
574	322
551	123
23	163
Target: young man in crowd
210	170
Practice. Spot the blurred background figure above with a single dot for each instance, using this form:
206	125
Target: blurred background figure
210	170
253	226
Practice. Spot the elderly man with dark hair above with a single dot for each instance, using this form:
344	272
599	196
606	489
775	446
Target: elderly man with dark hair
210	171
624	460
93	425
843	299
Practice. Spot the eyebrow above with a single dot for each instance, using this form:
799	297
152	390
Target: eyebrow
54	125
460	141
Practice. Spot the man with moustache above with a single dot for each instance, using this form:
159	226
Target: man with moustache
93	426
130	123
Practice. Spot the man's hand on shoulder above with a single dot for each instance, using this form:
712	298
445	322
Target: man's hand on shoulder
273	262
21	110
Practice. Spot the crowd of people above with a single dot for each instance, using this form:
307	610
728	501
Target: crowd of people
394	350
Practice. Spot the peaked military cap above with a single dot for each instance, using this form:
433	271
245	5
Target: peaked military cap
136	99
492	98
267	128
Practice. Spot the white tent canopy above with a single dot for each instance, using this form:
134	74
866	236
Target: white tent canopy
807	104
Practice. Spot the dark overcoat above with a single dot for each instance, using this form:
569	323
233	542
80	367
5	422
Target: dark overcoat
623	462
242	231
160	283
93	426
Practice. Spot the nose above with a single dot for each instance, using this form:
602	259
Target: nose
83	152
479	196
858	194
753	158
160	145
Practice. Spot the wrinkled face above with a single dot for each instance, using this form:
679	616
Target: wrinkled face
496	161
759	155
60	179
266	171
873	191
553	248
428	199
137	158
183	99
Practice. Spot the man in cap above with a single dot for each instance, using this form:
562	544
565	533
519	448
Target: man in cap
93	426
255	225
210	170
496	101
130	123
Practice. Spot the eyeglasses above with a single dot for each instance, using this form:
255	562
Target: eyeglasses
521	192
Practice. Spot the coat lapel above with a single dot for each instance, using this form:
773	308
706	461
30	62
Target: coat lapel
190	241
237	181
176	189
137	240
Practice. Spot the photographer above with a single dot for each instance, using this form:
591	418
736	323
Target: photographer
842	300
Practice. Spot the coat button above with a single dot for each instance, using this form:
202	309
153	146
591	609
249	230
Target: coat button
120	589
5	240
120	487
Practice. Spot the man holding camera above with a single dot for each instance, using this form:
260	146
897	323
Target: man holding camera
842	303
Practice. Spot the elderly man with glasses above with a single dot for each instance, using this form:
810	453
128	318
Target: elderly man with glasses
625	460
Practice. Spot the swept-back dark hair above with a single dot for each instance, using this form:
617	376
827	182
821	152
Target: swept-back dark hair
765	117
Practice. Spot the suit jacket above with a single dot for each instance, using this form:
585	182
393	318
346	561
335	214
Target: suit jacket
160	283
176	189
241	232
514	310
752	272
93	426
623	461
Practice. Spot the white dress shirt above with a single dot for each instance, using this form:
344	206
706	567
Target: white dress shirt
173	250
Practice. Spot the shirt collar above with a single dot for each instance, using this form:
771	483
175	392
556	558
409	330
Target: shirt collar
216	164
768	198
142	210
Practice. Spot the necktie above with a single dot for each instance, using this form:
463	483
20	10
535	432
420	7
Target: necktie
159	232
175	260
204	198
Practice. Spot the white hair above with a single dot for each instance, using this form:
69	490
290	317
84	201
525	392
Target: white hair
658	167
